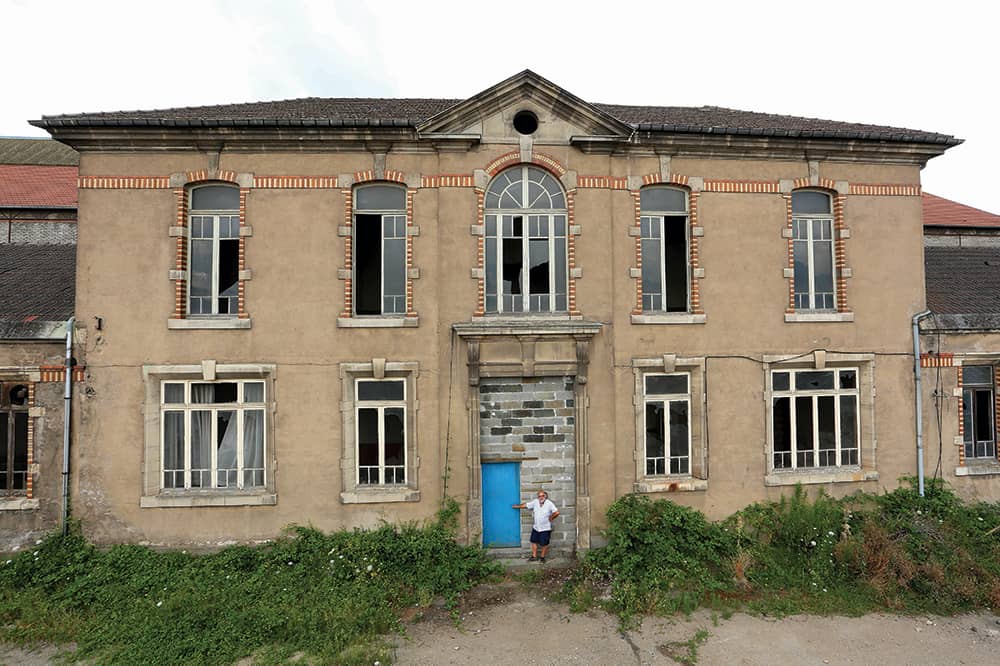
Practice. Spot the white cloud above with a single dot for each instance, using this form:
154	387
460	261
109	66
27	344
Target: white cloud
912	64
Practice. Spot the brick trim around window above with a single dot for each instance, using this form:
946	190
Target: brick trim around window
840	234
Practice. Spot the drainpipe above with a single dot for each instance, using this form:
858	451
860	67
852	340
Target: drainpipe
919	399
67	406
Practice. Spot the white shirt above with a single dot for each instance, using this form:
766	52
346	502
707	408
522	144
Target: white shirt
541	513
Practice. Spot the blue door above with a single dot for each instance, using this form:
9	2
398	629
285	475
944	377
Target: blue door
501	489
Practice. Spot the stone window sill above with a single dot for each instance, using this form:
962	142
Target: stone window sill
987	468
380	495
790	478
18	504
813	317
678	484
668	318
214	499
208	323
378	322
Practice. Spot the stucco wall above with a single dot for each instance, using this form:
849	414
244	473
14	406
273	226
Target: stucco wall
294	298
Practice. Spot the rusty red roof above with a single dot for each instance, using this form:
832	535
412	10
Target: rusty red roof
941	212
31	186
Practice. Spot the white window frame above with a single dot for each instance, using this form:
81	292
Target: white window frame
353	492
215	215
972	387
864	365
696	478
383	214
667	399
188	407
496	216
154	495
652	214
793	394
806	220
379	406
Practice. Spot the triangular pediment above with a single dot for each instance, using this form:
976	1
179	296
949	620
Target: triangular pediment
489	113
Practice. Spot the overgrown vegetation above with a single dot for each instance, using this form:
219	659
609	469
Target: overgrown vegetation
330	597
895	551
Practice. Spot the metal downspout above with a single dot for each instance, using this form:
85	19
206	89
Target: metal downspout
919	399
67	406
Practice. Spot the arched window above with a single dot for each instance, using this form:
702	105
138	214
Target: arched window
663	226
525	242
812	235
379	250
214	250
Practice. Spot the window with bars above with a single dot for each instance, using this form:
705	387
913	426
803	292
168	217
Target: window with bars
813	250
381	431
815	419
213	434
214	250
526	229
663	226
978	418
667	409
13	438
379	250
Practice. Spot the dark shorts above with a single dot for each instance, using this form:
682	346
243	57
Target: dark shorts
541	538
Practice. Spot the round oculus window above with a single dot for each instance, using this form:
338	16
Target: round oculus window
525	122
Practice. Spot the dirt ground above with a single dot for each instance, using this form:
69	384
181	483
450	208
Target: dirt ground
511	623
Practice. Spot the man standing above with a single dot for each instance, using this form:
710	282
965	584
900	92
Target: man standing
543	512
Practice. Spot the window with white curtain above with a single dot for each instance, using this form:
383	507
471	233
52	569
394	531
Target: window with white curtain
213	434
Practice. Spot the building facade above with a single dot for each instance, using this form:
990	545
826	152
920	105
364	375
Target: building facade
336	312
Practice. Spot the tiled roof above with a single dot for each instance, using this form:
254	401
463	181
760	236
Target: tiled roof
366	112
27	186
940	212
37	282
963	280
37	151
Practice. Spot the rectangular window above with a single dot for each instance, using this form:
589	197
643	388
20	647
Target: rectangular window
814	419
978	419
214	277
664	263
381	431
213	434
813	250
667	402
526	260
379	250
13	439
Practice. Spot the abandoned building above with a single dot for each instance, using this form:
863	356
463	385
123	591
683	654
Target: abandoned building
337	311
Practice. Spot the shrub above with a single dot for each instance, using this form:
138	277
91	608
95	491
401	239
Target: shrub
329	595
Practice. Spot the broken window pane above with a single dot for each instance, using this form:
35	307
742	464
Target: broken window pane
655	439
368	429
679	437
813	380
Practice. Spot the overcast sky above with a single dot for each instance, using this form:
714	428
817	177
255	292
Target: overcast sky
921	65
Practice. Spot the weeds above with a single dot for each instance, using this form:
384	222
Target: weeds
685	652
329	596
895	551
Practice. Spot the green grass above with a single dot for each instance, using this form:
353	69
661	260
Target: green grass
894	552
332	597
